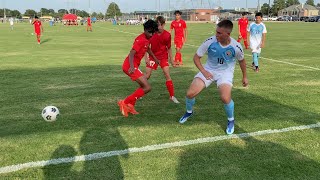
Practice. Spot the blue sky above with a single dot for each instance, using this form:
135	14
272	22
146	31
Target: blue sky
125	5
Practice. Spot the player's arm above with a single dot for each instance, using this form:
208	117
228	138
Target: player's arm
131	59
263	40
197	62
154	57
41	28
239	30
169	50
242	63
146	58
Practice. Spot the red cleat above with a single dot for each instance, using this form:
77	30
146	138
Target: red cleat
123	108
131	109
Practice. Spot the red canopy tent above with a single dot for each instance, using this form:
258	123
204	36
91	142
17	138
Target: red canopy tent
71	19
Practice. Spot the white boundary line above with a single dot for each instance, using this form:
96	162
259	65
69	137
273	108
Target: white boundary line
100	155
284	62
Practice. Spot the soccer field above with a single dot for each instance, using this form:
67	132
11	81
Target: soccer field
80	73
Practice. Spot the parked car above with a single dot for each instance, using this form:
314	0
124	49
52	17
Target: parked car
294	18
306	19
302	18
312	19
317	18
274	18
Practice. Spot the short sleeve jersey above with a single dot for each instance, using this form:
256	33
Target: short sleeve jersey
160	43
140	45
256	32
37	25
243	23
178	27
221	57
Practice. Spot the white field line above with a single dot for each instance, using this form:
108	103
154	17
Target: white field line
100	155
274	60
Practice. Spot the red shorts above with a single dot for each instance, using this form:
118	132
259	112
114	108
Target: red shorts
135	75
38	33
163	63
244	34
178	42
89	24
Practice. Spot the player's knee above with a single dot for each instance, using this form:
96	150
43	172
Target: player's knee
147	88
190	94
225	99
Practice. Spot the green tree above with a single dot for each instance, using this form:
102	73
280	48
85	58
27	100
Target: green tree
94	14
83	14
310	2
100	16
15	13
113	10
265	8
292	2
30	13
44	11
63	11
52	12
277	6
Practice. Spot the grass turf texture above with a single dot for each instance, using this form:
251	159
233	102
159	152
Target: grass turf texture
80	73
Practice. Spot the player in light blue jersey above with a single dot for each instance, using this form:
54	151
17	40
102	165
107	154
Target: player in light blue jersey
223	51
257	33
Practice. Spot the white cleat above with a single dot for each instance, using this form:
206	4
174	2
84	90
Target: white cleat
174	99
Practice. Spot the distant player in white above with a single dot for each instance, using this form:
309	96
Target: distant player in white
257	33
11	23
223	51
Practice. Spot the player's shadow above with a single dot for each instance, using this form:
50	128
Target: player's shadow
245	158
46	40
94	140
61	171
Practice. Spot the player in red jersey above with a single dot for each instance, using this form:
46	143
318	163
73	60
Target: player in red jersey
243	24
37	28
89	25
180	36
161	47
131	67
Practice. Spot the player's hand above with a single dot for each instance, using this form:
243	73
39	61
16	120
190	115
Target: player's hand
173	64
240	37
157	61
131	70
262	45
207	75
245	82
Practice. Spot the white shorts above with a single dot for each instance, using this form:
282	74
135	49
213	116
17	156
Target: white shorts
255	48
219	77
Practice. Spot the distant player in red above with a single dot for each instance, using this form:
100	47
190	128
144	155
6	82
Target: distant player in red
89	25
131	67
161	47
180	36
243	24
37	28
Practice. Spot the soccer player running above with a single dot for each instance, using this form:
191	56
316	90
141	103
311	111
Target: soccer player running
223	51
180	36
243	26
161	47
89	25
131	67
37	28
257	33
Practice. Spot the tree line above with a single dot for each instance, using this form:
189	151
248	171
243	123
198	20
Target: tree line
113	10
281	4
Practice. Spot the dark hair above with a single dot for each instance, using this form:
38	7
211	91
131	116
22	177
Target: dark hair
160	19
150	25
177	12
258	14
226	24
36	17
244	13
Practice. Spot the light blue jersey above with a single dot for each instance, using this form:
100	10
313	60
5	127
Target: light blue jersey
221	57
256	32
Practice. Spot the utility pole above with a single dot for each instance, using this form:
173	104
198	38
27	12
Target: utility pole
4	11
269	7
89	7
258	8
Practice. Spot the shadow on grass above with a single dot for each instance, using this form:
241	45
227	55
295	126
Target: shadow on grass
247	158
46	40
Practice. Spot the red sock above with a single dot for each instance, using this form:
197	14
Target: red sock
38	40
176	57
170	88
131	99
246	44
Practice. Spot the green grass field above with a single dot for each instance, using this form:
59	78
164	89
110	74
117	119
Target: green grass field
80	73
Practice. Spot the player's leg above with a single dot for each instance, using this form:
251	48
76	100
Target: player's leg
169	83
244	36
197	85
255	61
38	37
239	38
225	95
148	72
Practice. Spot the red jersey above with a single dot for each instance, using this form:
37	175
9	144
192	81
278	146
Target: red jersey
37	25
243	23
179	27
89	21
160	43
140	45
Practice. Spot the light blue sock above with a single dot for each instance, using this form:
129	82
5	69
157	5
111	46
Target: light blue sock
229	108
255	59
189	104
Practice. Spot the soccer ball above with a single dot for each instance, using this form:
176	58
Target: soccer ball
50	113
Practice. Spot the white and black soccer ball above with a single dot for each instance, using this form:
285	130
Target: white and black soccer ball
50	113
